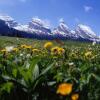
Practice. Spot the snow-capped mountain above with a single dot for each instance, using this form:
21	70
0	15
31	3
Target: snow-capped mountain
64	31
38	28
82	32
35	26
8	20
85	32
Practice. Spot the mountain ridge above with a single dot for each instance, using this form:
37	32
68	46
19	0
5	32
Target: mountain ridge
37	28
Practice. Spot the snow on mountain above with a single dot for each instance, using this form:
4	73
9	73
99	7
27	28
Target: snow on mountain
85	32
63	27
8	20
63	30
74	35
35	26
41	28
22	28
38	22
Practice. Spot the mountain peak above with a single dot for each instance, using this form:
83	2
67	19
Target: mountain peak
6	18
86	28
62	29
40	22
62	25
37	21
85	32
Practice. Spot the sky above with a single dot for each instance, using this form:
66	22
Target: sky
73	12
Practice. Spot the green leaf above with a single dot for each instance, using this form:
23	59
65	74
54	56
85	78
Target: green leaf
14	72
6	87
33	62
52	83
47	69
6	78
29	75
88	78
40	77
96	77
25	75
35	73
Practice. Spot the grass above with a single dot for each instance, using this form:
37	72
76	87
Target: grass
9	41
42	70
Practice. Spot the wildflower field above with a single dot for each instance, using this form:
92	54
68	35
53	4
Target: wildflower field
47	70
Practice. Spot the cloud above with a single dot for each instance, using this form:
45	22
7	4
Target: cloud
61	20
87	8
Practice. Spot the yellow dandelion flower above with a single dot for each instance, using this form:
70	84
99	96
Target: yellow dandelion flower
3	50
75	96
15	49
35	50
23	46
61	51
57	50
54	50
88	54
28	47
48	45
64	89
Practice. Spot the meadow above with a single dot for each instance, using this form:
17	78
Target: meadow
49	70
